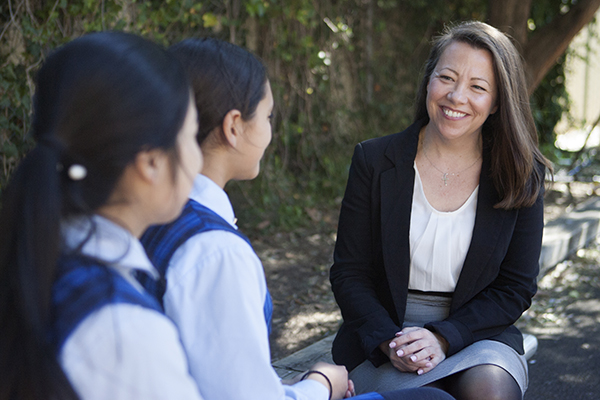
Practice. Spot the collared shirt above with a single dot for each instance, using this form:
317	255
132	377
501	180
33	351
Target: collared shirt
215	294
123	351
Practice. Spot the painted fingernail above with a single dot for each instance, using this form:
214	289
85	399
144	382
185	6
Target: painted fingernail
420	372
413	358
428	365
392	345
399	353
399	333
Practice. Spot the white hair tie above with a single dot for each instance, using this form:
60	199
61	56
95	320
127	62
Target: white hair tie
77	172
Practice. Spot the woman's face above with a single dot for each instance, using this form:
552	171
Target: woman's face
462	91
256	137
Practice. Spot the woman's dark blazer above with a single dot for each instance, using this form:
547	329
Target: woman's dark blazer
370	273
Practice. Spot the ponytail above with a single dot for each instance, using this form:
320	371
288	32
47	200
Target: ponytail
99	101
29	249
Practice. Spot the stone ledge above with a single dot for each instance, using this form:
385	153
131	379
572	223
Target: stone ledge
302	359
568	233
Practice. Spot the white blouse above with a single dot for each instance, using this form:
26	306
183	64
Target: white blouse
439	241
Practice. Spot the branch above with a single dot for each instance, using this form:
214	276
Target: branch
551	41
51	12
587	138
12	17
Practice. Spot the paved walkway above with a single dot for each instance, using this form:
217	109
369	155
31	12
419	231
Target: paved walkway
565	316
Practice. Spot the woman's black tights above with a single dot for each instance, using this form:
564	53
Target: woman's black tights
416	394
487	382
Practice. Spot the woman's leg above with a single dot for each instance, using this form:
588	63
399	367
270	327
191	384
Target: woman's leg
488	382
417	394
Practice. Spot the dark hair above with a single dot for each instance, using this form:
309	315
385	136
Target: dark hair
516	161
224	77
99	101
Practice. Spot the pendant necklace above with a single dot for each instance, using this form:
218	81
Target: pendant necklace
446	175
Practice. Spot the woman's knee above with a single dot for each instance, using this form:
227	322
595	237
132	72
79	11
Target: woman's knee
488	382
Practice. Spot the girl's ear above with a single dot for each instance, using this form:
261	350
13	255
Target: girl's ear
148	165
232	127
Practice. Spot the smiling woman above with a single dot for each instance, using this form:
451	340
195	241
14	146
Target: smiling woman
440	230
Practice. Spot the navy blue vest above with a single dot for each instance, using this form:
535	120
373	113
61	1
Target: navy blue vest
83	286
162	241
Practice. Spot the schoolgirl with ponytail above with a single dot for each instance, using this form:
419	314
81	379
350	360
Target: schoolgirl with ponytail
115	128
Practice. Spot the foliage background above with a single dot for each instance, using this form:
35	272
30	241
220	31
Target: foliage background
342	71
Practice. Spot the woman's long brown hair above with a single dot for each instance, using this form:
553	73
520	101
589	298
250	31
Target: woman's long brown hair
517	165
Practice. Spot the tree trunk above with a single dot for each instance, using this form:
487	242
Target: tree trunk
252	34
233	12
510	16
551	41
369	51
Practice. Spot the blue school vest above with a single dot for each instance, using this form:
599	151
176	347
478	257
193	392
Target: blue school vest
162	241
83	286
369	396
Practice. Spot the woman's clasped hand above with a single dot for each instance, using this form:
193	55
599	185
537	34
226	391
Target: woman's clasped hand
415	349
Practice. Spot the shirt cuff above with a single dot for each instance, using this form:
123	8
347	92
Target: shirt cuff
309	388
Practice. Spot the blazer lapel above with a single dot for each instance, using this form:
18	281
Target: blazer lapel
486	232
396	191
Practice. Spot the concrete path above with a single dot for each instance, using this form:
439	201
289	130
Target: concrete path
567	308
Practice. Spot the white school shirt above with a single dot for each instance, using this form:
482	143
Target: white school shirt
216	291
123	351
439	241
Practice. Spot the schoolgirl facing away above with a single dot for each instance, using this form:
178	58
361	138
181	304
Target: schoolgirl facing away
115	128
216	291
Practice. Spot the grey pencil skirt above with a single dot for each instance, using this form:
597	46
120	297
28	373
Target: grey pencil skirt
422	308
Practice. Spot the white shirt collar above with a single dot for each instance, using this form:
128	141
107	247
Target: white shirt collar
108	242
209	194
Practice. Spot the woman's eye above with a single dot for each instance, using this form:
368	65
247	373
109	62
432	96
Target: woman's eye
477	87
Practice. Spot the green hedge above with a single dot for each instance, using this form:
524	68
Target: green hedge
341	71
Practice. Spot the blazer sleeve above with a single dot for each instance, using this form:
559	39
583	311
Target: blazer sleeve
513	282
357	272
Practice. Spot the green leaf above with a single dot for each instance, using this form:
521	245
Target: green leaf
10	150
210	20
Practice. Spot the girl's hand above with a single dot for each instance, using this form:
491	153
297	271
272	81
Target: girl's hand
337	375
350	392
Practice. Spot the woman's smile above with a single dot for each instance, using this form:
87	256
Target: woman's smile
452	114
